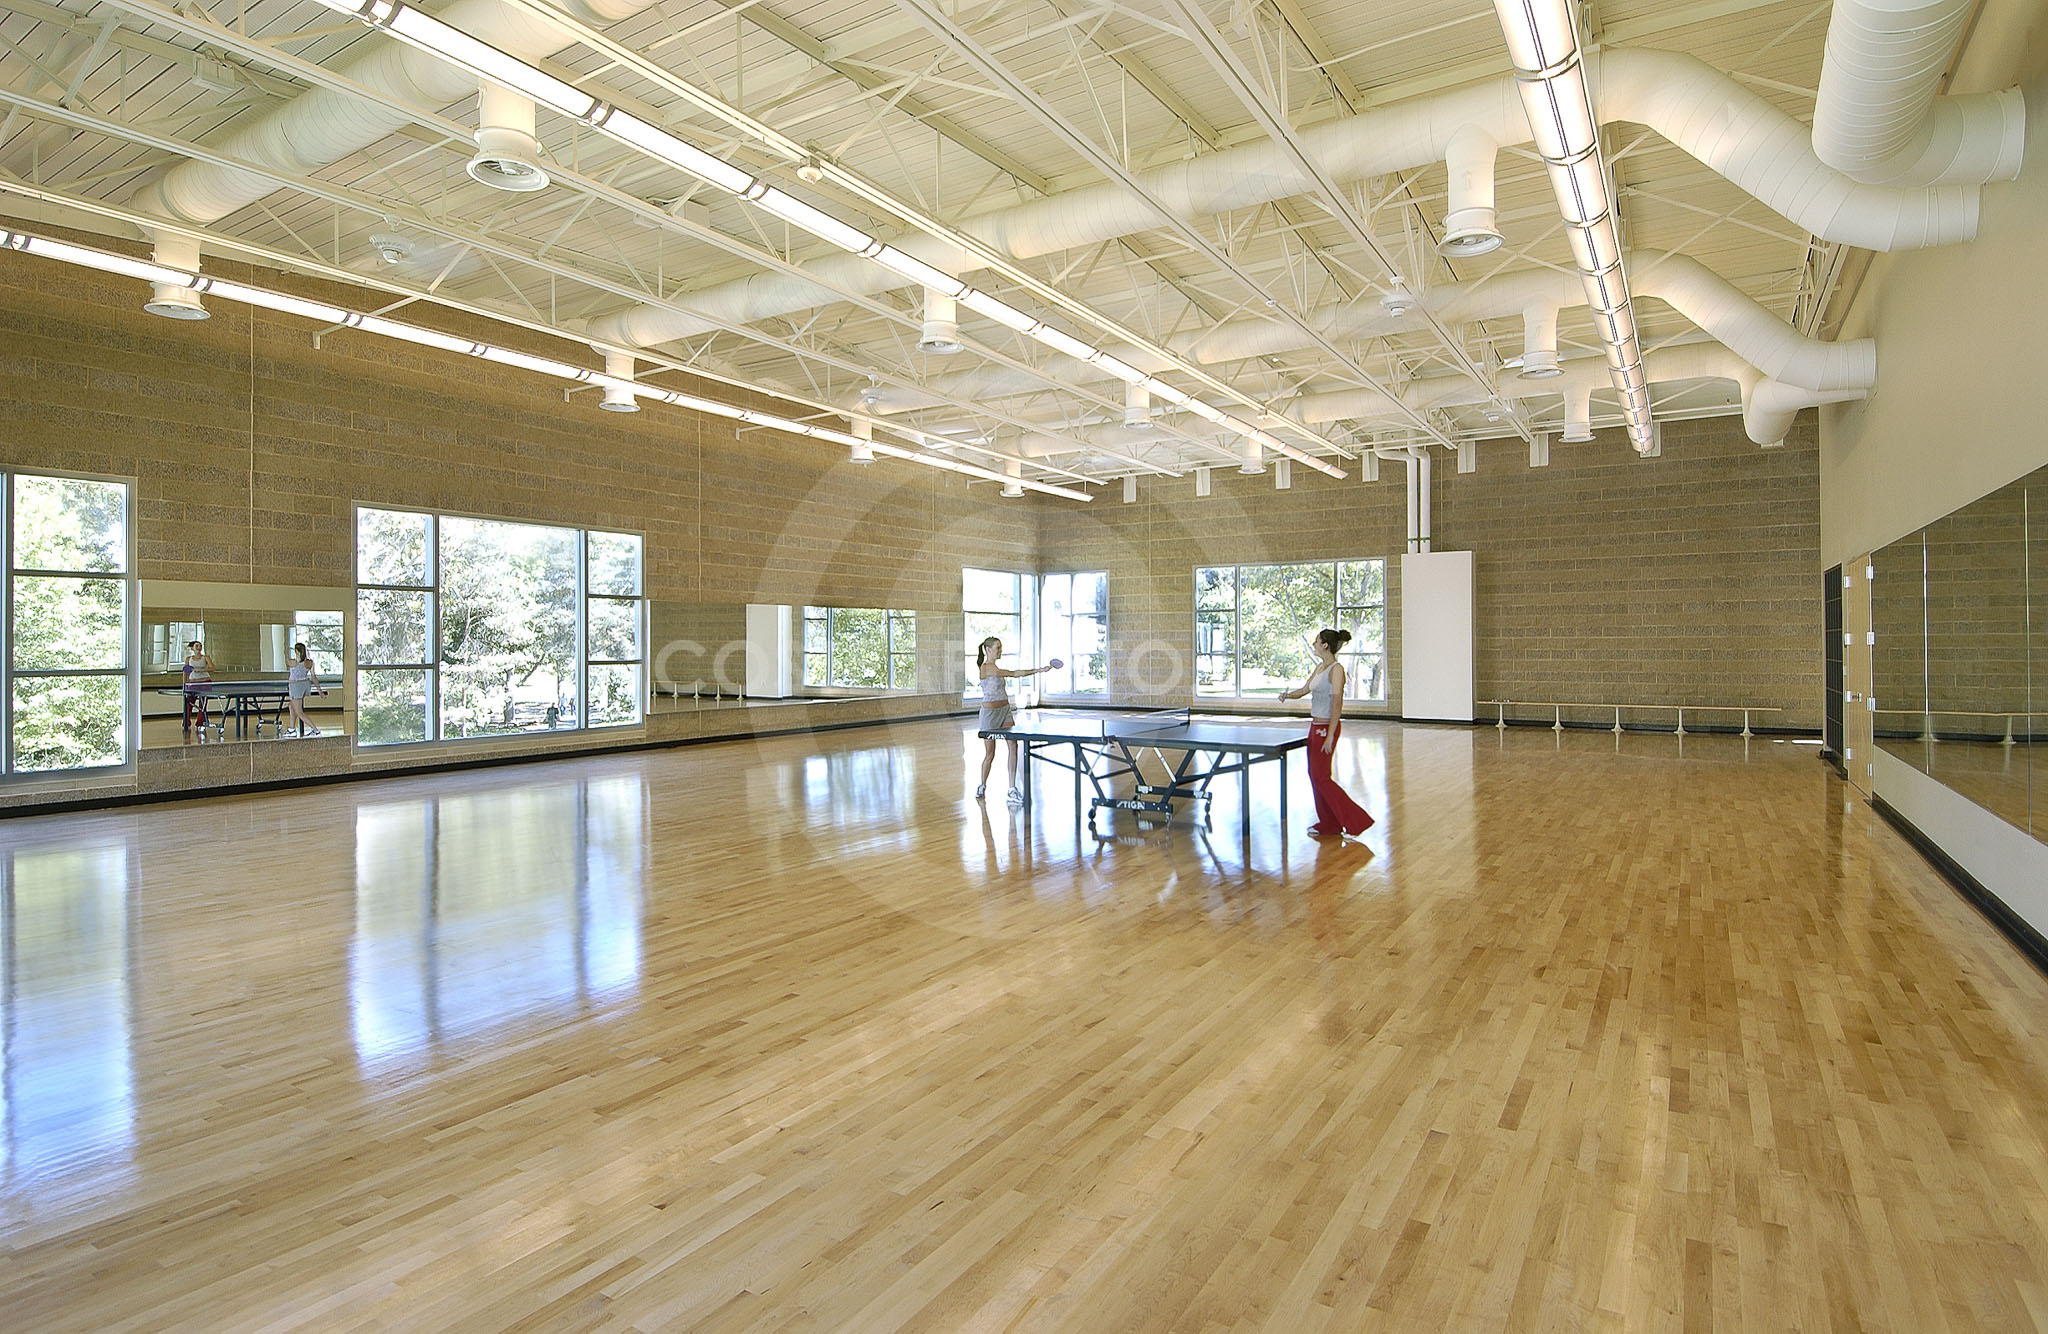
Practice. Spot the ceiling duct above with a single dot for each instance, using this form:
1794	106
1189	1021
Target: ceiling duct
618	397
176	301
1877	117
507	151
1471	226
941	334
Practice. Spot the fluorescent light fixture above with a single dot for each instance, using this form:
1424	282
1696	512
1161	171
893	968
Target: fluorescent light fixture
98	259
1002	312
451	44
561	370
815	221
706	405
1165	392
1203	410
634	132
915	269
410	333
278	301
1605	291
1559	115
1615	326
1539	32
1581	188
1128	374
1595	247
1063	342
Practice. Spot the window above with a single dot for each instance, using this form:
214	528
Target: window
998	603
1074	627
866	647
481	627
69	608
1253	625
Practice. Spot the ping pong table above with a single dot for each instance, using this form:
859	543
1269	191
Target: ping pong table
1107	747
247	703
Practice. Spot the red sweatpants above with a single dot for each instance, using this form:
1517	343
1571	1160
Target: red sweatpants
1335	809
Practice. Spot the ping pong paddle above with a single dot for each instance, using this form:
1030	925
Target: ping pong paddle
1055	664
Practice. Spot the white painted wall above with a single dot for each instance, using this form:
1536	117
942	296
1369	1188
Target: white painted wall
771	652
1961	404
1961	408
1436	636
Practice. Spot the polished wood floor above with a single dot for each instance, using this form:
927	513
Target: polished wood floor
1588	1035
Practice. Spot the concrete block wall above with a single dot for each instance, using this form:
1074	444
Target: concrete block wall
1692	578
250	447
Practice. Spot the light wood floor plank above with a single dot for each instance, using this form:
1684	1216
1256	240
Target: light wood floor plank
792	1034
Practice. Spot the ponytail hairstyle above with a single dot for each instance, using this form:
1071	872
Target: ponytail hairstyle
981	651
1334	640
300	650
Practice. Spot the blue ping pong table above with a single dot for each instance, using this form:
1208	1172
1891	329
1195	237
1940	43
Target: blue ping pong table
1107	747
247	703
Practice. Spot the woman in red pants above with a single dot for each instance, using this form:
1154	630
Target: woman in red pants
1336	813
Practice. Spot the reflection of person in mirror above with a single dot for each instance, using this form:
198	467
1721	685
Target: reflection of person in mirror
1336	813
198	680
996	714
301	679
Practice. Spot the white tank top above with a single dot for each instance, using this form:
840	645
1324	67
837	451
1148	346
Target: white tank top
197	672
1321	695
995	689
301	671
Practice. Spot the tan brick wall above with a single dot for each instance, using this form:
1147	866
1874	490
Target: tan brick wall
1691	578
250	447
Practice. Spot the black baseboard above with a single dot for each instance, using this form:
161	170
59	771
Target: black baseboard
2010	924
437	767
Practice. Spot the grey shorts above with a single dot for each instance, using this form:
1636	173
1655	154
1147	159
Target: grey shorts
994	718
299	689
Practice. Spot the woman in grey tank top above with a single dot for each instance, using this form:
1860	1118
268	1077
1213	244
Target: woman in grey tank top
1336	813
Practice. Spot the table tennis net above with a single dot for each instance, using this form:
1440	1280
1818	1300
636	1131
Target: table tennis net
1163	720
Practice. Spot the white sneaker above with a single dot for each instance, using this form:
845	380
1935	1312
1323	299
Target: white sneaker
980	791
312	731
1016	797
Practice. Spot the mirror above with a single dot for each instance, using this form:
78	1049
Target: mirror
1898	656
699	655
702	657
247	634
1958	614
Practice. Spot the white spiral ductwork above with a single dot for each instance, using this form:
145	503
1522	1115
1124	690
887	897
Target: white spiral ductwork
323	126
1689	287
1877	117
1696	107
1769	404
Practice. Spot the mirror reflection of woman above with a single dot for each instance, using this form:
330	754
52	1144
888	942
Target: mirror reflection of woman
1337	815
996	714
301	679
198	681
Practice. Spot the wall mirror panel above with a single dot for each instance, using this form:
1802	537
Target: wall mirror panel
1957	611
247	633
1898	659
715	656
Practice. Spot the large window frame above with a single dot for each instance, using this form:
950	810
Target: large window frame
981	593
1218	613
125	672
1066	619
823	649
609	633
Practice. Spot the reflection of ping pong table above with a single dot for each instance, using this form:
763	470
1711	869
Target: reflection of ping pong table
1194	752
250	704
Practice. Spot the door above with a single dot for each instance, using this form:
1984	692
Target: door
1856	673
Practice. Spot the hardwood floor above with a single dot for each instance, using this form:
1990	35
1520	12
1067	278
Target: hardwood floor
1590	1035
